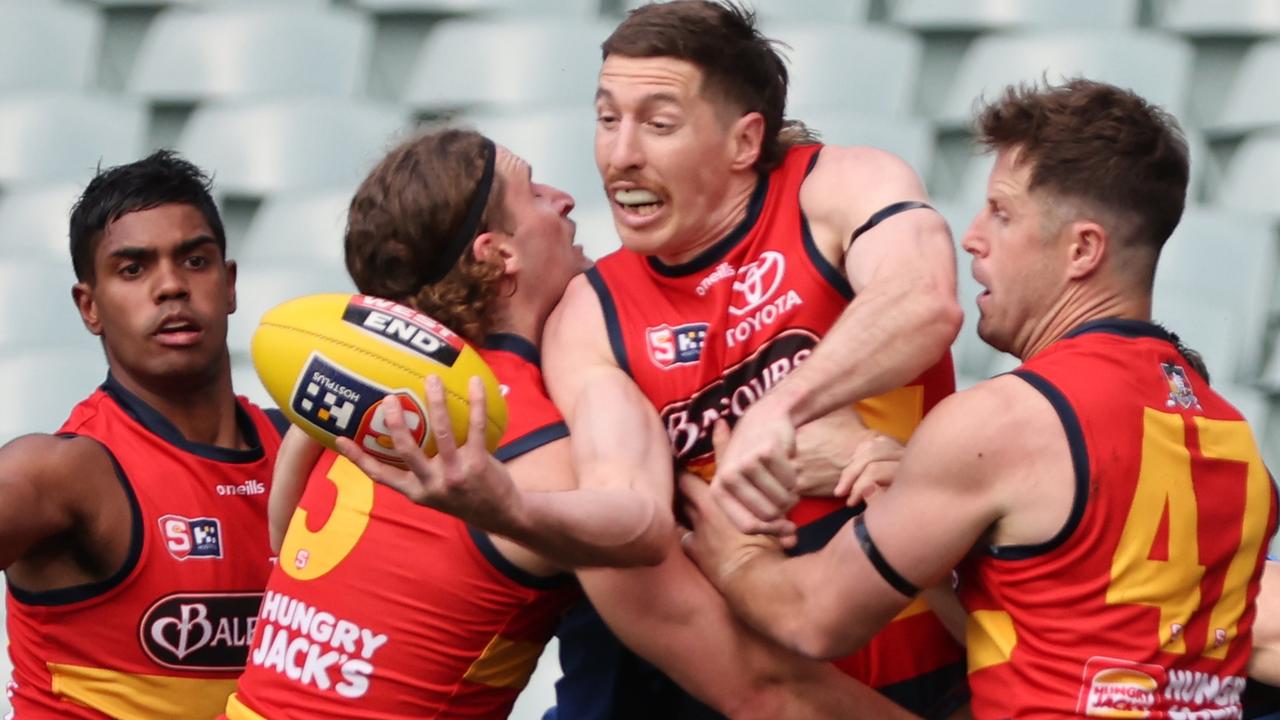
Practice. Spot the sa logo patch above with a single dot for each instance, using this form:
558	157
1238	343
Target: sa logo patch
191	537
675	345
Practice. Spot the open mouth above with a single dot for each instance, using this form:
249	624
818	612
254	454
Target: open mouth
638	201
178	332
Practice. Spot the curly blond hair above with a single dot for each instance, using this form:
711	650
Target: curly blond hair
403	216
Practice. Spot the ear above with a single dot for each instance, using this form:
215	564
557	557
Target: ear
1088	245
746	136
82	296
491	247
231	286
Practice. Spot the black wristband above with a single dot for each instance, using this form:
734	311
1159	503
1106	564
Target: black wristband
881	565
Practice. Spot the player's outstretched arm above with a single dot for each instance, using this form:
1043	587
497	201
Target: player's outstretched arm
48	486
297	455
619	515
829	603
903	317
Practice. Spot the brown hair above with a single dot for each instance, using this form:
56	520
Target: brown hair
739	64
402	218
1097	143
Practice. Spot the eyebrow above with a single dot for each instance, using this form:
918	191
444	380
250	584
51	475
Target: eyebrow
131	252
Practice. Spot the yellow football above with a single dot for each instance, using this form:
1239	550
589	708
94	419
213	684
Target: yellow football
328	360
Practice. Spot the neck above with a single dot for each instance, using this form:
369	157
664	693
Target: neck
523	317
204	412
1079	306
730	212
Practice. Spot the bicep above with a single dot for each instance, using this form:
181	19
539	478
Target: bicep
546	468
912	245
37	497
614	431
944	497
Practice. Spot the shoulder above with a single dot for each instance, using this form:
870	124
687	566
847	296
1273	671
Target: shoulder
849	184
66	467
860	168
994	423
576	327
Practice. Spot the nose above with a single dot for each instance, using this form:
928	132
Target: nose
972	241
169	282
625	151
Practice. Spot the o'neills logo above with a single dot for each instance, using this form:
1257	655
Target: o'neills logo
200	631
689	422
723	271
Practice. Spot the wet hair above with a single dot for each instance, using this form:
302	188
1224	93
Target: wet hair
407	214
740	65
1091	142
161	178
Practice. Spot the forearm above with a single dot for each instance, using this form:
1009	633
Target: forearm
297	454
787	600
890	334
612	526
671	616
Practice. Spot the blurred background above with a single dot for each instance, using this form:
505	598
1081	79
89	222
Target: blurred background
288	103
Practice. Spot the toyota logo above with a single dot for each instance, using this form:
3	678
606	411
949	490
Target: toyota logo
757	281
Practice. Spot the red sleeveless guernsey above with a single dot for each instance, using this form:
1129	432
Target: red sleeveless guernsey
384	609
1142	605
705	339
166	635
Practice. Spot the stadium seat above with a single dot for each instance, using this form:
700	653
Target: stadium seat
1221	18
56	136
42	386
557	143
33	221
36	309
1253	175
48	45
1252	102
1154	65
1213	286
562	8
297	227
825	11
511	63
986	15
235	51
870	70
909	138
256	148
258	289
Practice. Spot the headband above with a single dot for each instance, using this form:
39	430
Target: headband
466	233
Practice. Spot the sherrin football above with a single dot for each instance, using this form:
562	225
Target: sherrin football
328	360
